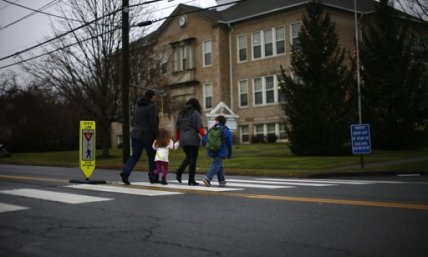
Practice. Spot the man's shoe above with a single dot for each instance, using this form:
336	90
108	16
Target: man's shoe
193	183
207	182
222	183
125	179
178	176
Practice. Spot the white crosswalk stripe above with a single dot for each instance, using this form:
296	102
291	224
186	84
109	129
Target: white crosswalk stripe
175	185
300	183
122	190
4	207
54	196
336	182
148	189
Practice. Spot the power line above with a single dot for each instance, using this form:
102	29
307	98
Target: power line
70	31
58	49
86	24
39	11
30	14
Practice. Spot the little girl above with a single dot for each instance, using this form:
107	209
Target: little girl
162	144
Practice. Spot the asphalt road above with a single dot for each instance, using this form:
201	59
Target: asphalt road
42	214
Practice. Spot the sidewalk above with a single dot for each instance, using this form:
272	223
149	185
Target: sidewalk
351	170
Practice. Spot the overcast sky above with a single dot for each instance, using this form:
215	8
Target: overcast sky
36	28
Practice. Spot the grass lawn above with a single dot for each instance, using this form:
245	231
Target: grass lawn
255	160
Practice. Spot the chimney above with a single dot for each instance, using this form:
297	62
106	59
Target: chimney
224	7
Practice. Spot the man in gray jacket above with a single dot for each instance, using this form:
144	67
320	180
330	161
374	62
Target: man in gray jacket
145	127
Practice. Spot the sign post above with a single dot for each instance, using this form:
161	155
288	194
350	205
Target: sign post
361	144
87	151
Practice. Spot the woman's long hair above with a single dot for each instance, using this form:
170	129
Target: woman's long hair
191	105
162	140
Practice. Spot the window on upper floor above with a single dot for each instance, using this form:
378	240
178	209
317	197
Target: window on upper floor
164	62
280	40
243	93
257	45
242	48
268	42
294	33
207	53
183	57
208	96
265	90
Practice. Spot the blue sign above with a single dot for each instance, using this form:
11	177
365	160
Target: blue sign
360	134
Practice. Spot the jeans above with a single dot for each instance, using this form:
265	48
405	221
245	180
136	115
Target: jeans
138	145
216	169
192	153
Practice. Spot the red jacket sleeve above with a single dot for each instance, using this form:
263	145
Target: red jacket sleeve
201	131
177	134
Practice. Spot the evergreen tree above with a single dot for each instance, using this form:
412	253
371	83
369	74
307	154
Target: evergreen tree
317	93
395	88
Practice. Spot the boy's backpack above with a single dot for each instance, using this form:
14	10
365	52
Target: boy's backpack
215	140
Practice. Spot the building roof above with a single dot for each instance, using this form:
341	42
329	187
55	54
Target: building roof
248	9
253	8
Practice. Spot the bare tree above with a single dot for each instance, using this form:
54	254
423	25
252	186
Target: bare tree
418	8
88	73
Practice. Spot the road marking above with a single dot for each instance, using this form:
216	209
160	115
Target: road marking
4	207
341	201
345	182
214	185
54	196
33	178
280	183
122	190
341	181
184	186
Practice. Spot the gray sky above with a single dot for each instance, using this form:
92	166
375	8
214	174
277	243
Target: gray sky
37	27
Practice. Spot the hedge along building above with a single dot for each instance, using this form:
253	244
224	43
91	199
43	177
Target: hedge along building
233	54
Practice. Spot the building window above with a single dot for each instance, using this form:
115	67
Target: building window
258	91
294	37
282	132
164	62
265	90
270	89
208	96
245	134
242	48
269	133
183	57
243	93
280	40
267	37
272	40
207	53
257	45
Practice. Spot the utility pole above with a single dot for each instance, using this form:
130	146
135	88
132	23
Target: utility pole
125	80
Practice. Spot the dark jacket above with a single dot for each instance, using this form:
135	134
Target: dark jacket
188	125
145	121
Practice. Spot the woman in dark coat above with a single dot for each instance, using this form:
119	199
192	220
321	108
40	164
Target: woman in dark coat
189	131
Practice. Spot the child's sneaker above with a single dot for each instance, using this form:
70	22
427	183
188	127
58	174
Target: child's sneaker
222	183
207	182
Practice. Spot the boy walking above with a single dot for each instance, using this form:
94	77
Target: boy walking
218	153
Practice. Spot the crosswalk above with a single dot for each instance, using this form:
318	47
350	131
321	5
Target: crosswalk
172	189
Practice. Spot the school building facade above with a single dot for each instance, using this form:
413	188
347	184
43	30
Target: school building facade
233	55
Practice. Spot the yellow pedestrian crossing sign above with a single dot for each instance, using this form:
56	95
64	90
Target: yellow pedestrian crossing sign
87	147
